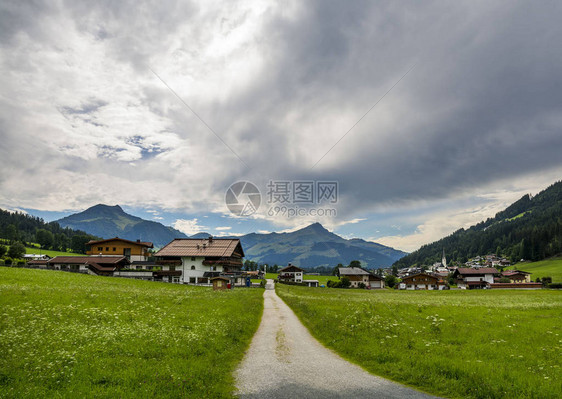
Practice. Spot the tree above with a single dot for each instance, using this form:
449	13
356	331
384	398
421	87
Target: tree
354	263
390	281
394	270
3	250
17	250
336	270
11	233
344	282
78	243
45	238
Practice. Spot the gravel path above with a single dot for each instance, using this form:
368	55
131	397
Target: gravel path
285	361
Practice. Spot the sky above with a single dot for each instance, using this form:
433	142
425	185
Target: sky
427	116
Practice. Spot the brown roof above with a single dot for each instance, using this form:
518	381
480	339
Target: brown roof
143	243
86	260
290	268
420	274
38	262
216	247
471	271
514	272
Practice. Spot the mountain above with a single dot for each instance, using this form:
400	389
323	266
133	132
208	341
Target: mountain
111	221
530	229
307	248
315	246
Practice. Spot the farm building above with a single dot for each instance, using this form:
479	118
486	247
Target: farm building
357	275
291	273
98	265
517	276
469	278
132	250
199	260
422	281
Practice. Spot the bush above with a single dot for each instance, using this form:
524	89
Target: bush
2	262
22	263
8	261
362	285
390	281
3	250
555	285
16	250
505	280
344	282
546	280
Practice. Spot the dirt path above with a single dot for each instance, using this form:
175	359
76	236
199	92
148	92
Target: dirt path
285	361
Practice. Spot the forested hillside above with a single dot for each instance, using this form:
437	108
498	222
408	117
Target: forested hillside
16	226
529	229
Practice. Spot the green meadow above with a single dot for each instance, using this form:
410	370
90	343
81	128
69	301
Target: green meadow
52	254
545	268
459	344
68	335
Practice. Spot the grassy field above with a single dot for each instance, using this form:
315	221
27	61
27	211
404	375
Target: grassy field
321	279
52	254
463	344
69	335
549	267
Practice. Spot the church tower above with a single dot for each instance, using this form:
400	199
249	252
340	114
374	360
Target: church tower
444	259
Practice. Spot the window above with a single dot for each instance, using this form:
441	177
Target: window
192	258
172	268
107	248
114	249
100	248
192	267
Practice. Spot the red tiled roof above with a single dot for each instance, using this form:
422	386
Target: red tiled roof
143	243
73	260
471	271
217	247
291	268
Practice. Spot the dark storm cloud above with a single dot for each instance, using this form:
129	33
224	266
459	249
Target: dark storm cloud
482	104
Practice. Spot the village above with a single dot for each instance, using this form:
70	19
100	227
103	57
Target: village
217	262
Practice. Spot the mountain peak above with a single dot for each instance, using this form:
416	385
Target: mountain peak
316	227
105	207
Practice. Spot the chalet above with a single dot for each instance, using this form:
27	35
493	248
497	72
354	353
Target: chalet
517	276
199	260
132	250
422	281
357	275
469	278
291	273
98	265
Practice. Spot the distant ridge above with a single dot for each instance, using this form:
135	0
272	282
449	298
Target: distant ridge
530	229
309	247
315	246
111	221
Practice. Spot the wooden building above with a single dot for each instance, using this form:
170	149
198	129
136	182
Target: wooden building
357	275
132	250
422	281
469	278
200	260
291	273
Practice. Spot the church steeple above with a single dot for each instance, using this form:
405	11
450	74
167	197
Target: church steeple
444	259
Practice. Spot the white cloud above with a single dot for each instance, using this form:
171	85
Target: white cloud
189	226
223	228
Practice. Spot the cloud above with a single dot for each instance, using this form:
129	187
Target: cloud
223	228
280	84
189	226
